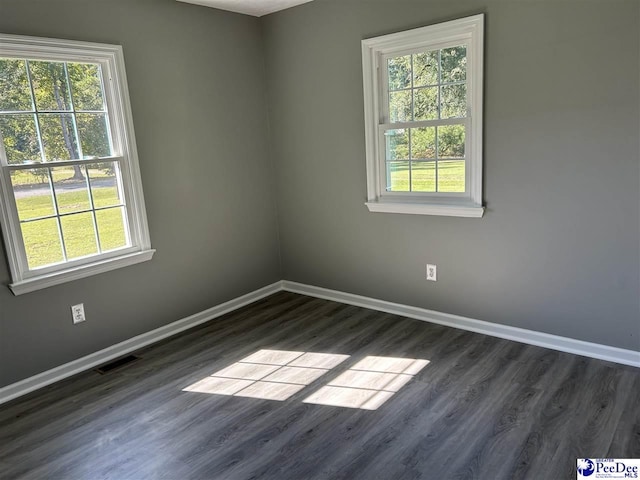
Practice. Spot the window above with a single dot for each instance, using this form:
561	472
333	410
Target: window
423	119
72	202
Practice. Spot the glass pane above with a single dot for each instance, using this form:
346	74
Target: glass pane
86	86
42	242
397	176
397	144
14	86
104	185
451	141
50	86
58	136
94	135
399	70
111	228
79	235
451	176
423	143
425	103
71	189
20	138
423	176
454	64
32	193
400	106
425	69
453	101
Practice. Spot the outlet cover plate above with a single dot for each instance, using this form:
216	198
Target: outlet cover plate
432	272
77	313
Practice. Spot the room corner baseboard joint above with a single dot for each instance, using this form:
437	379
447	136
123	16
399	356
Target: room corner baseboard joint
531	337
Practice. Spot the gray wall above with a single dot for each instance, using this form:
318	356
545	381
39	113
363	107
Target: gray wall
557	251
196	78
558	248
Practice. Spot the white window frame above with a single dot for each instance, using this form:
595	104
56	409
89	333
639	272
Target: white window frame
466	31
111	60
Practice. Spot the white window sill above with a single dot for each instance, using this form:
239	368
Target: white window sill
472	211
75	273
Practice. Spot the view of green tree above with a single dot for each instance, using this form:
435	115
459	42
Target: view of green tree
14	86
427	86
55	111
423	143
397	144
425	69
453	64
451	141
86	86
20	138
67	98
92	129
399	69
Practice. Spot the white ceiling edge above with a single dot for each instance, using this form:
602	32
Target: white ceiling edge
257	8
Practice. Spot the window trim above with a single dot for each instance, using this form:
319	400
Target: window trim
468	31
111	58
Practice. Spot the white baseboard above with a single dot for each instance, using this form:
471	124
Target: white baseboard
554	342
102	356
531	337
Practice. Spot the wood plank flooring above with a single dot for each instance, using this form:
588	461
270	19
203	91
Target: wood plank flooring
483	408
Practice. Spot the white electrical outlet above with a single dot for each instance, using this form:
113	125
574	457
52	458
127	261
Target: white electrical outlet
432	272
77	313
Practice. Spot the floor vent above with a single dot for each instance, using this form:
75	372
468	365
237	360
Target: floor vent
119	363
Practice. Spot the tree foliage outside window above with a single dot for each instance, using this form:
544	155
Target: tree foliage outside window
428	85
67	159
423	119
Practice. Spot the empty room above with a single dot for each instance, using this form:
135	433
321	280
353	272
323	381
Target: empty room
319	239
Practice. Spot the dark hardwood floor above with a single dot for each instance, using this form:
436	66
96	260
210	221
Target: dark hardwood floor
482	408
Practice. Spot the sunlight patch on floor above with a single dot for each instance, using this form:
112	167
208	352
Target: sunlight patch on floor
268	374
369	383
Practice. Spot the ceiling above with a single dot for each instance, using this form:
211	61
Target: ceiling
257	8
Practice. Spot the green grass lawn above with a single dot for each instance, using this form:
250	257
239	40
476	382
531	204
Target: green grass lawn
42	239
423	176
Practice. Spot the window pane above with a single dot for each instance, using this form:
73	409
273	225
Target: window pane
453	101
58	136
32	193
111	228
454	64
400	106
425	69
397	176
399	70
50	86
451	141
423	142
20	138
14	86
94	135
86	86
104	185
423	176
79	235
42	242
71	189
425	103
451	176
397	144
